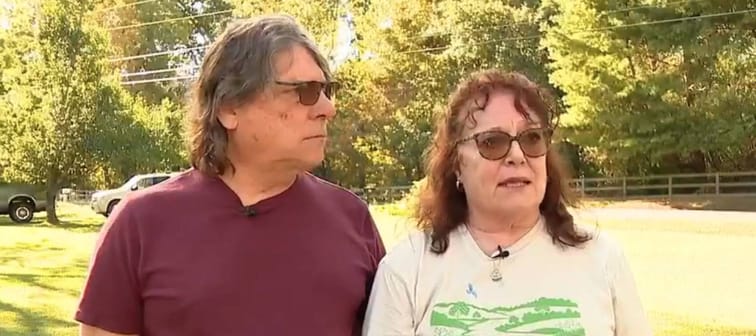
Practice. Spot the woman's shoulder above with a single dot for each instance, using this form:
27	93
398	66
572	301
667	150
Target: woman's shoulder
409	248
601	239
603	244
403	258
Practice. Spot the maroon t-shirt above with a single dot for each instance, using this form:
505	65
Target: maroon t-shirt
185	258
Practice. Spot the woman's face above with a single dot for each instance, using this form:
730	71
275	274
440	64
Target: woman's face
497	174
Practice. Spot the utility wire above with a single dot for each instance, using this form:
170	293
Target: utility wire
144	24
424	50
136	3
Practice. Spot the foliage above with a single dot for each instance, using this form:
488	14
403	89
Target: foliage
657	90
53	94
132	30
679	94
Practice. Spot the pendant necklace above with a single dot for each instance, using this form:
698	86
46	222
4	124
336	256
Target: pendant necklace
495	274
500	254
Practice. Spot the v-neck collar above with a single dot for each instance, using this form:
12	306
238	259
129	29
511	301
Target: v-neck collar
472	246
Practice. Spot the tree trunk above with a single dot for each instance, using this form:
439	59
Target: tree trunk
51	194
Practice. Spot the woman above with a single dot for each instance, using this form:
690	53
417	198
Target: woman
499	253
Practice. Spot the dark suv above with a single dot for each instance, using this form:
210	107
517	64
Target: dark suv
21	201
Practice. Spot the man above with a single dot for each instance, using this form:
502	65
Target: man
247	242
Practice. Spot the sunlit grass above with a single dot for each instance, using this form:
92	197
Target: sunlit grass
42	268
693	269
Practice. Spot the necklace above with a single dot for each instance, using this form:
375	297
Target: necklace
495	274
500	254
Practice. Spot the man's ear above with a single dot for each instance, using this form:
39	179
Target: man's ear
228	116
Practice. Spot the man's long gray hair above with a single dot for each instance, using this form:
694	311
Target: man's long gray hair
237	67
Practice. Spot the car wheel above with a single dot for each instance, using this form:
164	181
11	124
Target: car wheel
110	208
21	212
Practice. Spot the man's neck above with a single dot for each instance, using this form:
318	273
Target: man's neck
254	184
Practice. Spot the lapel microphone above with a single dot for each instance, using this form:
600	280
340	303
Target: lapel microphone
501	252
249	211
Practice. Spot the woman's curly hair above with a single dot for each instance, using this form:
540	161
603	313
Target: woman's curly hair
442	207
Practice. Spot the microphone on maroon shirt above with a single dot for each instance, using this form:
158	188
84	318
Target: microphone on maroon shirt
249	211
501	253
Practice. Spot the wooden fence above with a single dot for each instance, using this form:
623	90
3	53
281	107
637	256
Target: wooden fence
730	184
75	196
668	187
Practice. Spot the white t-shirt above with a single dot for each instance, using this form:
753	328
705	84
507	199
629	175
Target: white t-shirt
545	289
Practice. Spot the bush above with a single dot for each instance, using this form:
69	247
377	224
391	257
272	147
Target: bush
405	207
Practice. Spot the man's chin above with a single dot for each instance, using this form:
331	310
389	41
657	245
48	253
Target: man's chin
312	162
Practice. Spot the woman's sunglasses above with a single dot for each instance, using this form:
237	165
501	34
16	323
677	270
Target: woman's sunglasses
495	145
309	91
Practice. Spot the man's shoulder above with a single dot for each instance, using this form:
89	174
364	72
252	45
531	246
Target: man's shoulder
332	192
178	189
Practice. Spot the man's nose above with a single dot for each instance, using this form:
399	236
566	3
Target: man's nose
325	107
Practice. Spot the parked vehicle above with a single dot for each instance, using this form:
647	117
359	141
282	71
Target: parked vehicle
21	201
103	202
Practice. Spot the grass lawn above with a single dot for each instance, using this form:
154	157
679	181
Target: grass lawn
42	269
694	270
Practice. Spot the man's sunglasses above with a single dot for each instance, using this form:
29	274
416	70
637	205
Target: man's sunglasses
495	145
309	91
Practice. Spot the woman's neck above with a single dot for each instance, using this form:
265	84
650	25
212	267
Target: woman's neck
491	232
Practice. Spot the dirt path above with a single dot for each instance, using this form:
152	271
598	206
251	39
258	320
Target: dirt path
667	213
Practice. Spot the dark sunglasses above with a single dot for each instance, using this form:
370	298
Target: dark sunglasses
309	91
495	145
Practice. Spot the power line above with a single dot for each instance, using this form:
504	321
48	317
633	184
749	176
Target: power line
152	72
144	24
155	80
638	24
530	37
159	53
183	50
599	14
646	6
136	3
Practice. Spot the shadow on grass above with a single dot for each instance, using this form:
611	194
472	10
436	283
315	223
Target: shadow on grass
67	222
721	203
725	202
30	322
21	251
44	281
55	280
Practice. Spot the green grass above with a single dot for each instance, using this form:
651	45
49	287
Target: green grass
694	270
42	269
695	274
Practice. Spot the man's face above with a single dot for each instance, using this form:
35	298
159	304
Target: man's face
279	127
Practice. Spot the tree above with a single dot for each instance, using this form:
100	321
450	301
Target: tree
420	50
53	93
676	93
140	28
320	17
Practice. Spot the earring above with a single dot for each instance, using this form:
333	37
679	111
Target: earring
459	185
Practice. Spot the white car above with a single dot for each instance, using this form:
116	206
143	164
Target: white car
104	201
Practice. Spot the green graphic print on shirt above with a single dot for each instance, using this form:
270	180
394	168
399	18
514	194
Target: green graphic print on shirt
545	316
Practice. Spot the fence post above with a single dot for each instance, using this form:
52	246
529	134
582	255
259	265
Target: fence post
716	183
669	188
582	186
624	188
